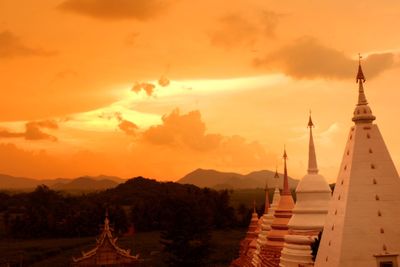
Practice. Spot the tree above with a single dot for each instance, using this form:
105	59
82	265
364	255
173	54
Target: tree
315	246
186	238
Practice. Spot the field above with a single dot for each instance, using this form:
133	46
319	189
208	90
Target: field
59	252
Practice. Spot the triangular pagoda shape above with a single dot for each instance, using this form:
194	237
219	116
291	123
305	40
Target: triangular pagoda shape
271	252
266	220
363	222
247	245
106	252
309	213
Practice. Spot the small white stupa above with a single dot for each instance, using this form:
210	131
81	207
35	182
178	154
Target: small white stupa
313	194
363	222
266	220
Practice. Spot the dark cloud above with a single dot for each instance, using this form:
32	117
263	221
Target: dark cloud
238	30
126	126
182	130
163	81
306	58
33	131
147	87
115	9
12	46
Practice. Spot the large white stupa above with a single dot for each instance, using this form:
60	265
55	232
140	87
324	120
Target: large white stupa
309	213
363	222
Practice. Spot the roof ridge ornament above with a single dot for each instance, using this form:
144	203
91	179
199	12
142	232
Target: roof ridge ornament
362	112
360	74
310	122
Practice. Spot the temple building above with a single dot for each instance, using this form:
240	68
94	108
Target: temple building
271	252
309	213
266	221
247	245
106	252
363	221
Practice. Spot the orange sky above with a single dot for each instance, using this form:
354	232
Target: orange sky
159	88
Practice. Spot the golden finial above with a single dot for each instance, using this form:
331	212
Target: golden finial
360	74
310	123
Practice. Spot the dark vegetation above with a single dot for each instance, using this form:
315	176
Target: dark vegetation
146	204
185	216
58	252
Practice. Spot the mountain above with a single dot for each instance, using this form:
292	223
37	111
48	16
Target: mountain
23	183
11	182
230	180
85	184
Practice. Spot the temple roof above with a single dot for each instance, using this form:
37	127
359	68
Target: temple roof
104	239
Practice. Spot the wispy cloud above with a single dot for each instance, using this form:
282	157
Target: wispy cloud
33	131
306	58
12	46
116	9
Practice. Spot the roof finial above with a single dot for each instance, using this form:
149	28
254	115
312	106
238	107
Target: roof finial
254	206
360	74
310	122
286	190
276	173
312	159
362	113
106	221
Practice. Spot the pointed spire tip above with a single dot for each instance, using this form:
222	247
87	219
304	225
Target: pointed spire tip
360	75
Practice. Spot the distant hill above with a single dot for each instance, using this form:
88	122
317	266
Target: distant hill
81	183
85	184
229	180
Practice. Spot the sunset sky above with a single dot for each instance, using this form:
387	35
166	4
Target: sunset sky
159	88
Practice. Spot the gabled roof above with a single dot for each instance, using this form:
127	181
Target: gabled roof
104	238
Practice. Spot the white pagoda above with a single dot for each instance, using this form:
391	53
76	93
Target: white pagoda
266	220
363	223
309	213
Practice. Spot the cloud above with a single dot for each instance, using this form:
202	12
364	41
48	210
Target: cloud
126	126
163	81
33	131
182	130
147	87
183	138
306	58
237	30
11	46
115	9
42	164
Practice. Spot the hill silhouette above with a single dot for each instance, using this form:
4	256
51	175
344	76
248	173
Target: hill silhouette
230	180
84	183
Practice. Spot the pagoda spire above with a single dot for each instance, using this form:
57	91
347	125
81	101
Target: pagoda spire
266	198
362	112
286	190
312	159
276	176
106	222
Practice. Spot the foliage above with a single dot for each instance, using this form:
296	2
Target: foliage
315	246
141	202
